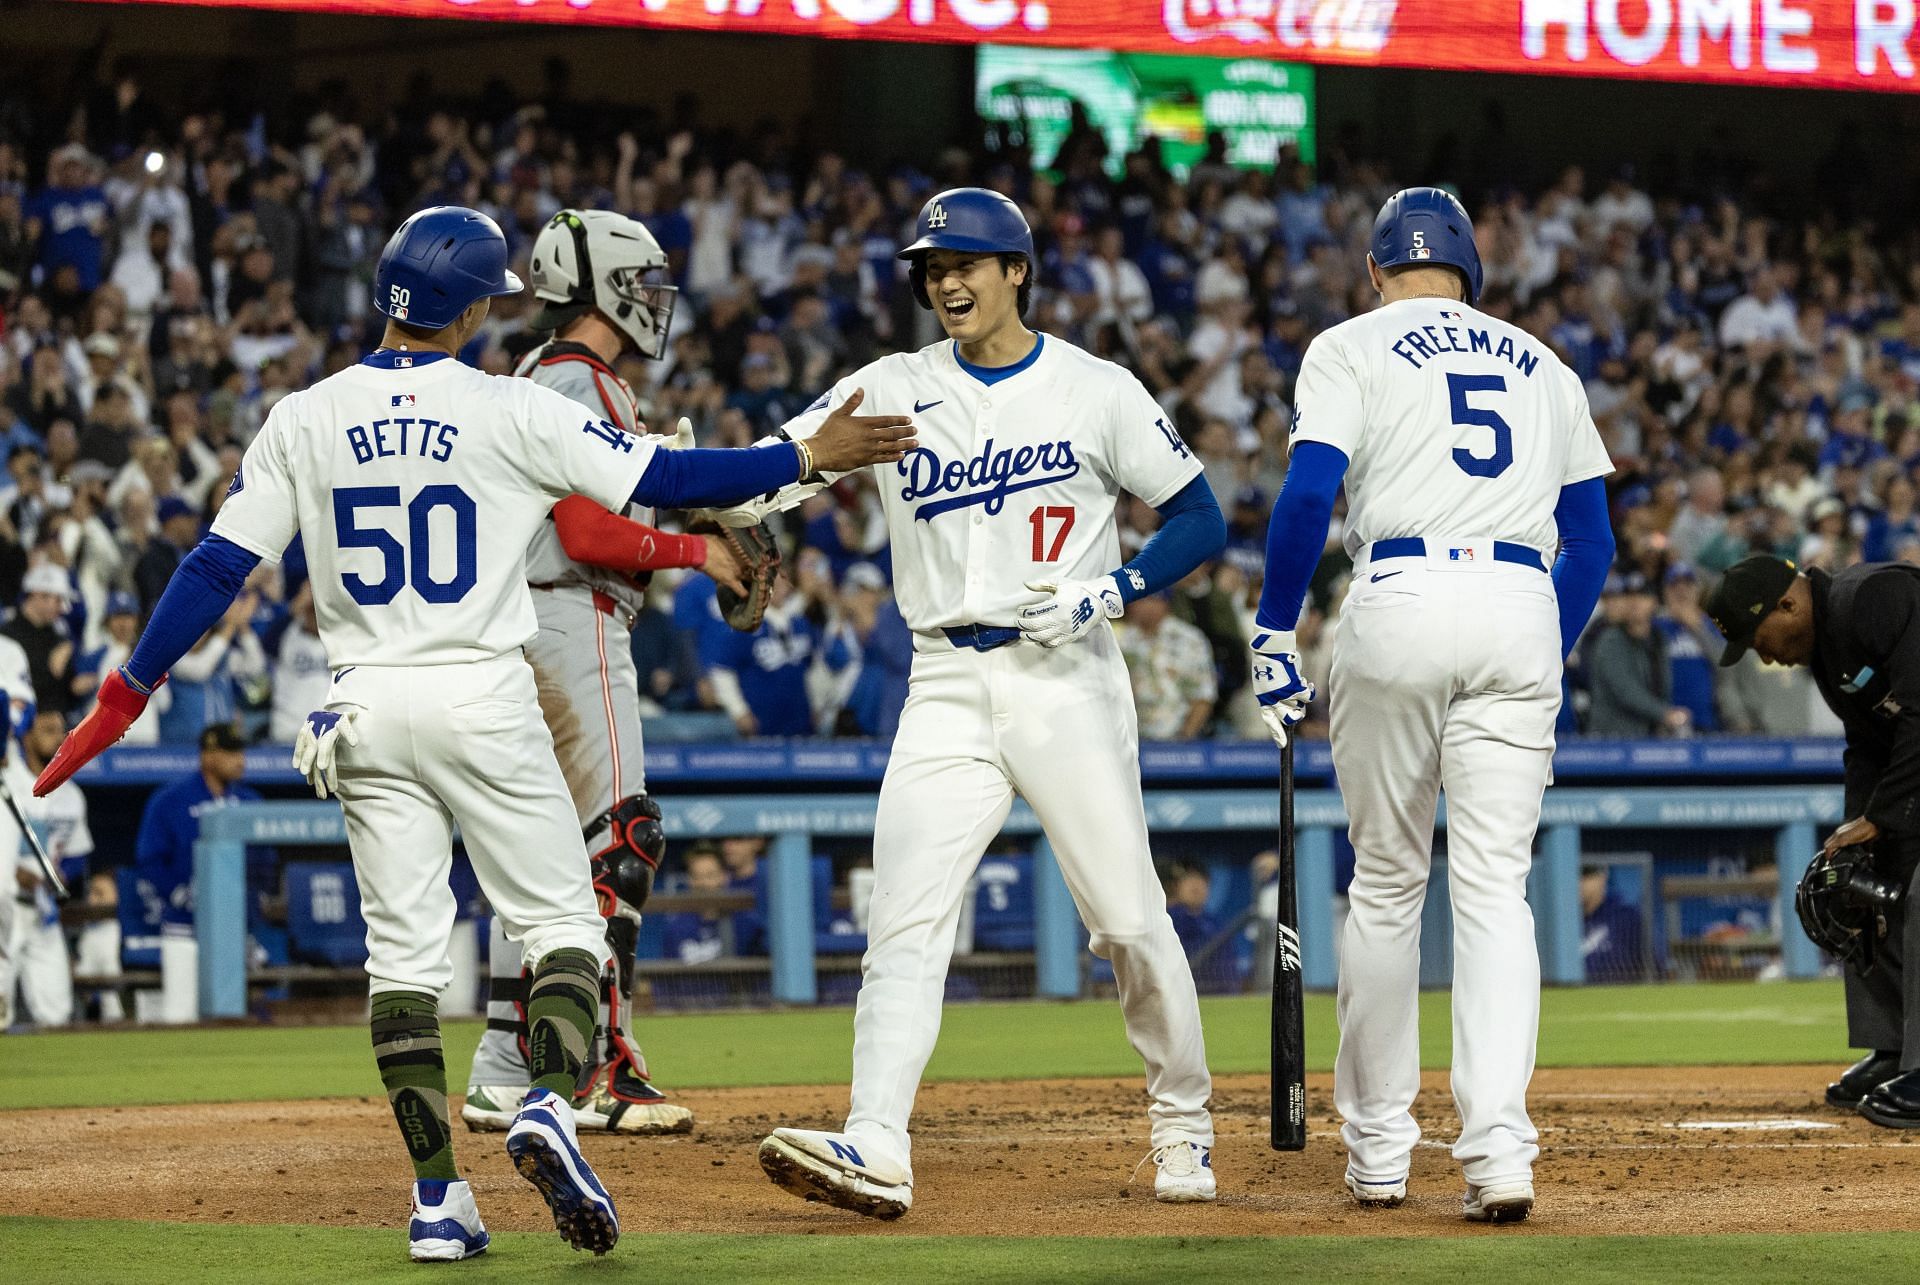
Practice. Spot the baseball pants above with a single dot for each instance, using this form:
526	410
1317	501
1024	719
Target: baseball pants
590	698
1057	726
1442	679
1883	1002
465	744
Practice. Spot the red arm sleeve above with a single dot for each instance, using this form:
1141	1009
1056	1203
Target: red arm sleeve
598	538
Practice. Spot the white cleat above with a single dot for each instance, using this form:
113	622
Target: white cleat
546	1151
446	1223
490	1108
839	1169
1376	1195
1500	1202
1186	1173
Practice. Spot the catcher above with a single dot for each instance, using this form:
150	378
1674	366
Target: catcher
1859	632
589	570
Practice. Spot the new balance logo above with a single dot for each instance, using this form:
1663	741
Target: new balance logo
840	1150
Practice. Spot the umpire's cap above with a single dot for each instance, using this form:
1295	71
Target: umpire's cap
972	220
439	262
1426	226
1750	590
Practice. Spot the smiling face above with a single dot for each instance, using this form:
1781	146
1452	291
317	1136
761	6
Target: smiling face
974	295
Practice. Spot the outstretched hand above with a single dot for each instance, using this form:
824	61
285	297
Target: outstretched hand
847	441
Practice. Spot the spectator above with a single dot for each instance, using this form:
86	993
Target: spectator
169	828
1171	666
122	631
1703	519
1758	699
1627	669
179	531
69	220
886	652
1693	647
1612	943
1764	316
40	958
760	679
1188	893
206	681
40	627
741	856
301	678
700	936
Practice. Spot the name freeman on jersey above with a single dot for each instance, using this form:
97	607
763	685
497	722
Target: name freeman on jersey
992	475
372	442
1431	341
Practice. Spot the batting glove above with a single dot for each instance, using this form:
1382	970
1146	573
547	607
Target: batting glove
1278	684
1069	610
121	700
317	747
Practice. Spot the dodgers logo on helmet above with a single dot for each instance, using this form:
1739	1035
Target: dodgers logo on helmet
1428	226
937	217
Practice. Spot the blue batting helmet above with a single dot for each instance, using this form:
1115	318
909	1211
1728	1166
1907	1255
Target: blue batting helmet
1426	226
972	220
437	263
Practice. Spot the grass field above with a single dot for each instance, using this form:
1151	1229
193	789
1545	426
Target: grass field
1595	1026
1641	1026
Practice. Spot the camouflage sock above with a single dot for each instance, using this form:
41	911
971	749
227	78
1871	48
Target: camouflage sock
406	1044
562	1007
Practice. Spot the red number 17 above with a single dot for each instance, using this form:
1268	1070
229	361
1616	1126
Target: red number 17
1061	513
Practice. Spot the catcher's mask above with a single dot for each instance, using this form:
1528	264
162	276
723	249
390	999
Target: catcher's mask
1843	902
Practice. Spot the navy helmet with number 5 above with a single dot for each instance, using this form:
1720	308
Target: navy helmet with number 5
972	220
438	263
1427	227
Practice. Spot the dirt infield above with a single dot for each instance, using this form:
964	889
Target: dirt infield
1027	1158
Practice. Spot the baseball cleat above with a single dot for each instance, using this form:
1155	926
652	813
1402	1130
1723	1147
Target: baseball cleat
839	1170
490	1108
1185	1173
1500	1202
1377	1195
638	1108
547	1153
446	1223
1862	1078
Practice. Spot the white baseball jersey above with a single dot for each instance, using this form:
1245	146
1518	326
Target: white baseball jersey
1015	479
1454	423
418	483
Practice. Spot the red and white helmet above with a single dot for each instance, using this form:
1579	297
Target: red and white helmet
598	259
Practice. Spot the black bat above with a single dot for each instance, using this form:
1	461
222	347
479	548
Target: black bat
1287	1076
55	884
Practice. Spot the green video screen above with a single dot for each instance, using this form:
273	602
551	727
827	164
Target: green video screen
1258	105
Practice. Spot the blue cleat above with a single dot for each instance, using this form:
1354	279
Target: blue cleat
547	1153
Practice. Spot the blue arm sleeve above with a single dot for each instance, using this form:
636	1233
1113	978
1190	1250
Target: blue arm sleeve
1586	553
1297	533
1191	531
205	584
707	478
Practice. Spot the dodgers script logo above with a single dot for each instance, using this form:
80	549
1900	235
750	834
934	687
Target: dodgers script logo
987	479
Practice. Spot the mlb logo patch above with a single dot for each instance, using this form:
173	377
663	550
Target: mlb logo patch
403	363
1420	252
1451	316
1460	555
398	312
403	399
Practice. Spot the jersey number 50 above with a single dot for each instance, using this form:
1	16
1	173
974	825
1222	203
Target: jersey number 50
397	568
1458	386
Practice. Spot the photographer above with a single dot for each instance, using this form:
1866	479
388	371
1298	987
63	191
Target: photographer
1859	633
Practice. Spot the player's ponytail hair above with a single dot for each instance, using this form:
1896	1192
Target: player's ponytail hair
1025	294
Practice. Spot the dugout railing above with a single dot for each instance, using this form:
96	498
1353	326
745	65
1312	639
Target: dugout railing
1794	814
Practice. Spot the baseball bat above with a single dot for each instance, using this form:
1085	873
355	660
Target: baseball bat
1287	1082
55	883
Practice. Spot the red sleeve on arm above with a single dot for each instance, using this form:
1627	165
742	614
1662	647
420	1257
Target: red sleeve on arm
592	535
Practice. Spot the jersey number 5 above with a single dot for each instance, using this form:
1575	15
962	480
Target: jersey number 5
1038	519
396	568
1458	386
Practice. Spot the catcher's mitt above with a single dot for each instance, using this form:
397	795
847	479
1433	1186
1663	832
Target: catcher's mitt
759	556
1843	901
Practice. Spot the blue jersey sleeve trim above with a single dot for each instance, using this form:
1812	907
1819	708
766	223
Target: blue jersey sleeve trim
1586	554
702	478
1297	532
1192	530
991	375
202	588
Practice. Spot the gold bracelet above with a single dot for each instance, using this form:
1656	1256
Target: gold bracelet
806	458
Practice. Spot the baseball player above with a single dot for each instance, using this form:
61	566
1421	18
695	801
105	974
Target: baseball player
1008	570
39	942
1468	452
417	484
589	571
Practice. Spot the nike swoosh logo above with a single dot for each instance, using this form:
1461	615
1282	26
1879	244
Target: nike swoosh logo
1384	575
918	406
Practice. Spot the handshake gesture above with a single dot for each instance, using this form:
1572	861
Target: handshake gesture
847	441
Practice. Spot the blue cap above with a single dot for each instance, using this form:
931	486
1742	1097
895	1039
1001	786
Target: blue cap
973	220
174	507
438	263
1424	226
122	603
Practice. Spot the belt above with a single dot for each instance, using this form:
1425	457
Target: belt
981	637
1413	546
605	603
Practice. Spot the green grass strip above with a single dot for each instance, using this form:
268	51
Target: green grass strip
53	1250
1731	1023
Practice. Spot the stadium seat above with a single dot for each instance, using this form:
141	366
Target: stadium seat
323	914
1003	905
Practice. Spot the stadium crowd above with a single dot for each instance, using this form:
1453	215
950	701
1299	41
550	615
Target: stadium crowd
167	274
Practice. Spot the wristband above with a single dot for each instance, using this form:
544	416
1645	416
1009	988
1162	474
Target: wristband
806	459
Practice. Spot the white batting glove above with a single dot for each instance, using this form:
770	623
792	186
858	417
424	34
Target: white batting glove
318	744
1069	610
1278	683
682	435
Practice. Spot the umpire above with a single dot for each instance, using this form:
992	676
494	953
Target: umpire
1859	632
